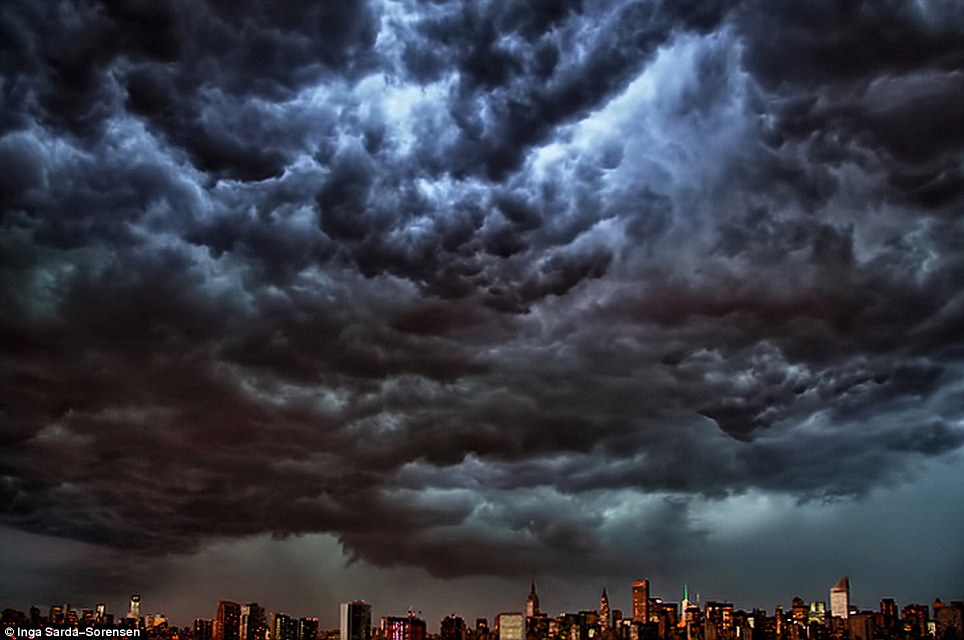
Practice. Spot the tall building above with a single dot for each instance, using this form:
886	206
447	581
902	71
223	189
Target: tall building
532	602
605	622
307	628
281	627
134	609
453	628
404	628
799	611
889	614
227	626
511	626
840	599
950	620
641	600
818	612
916	617
253	622
356	620
203	629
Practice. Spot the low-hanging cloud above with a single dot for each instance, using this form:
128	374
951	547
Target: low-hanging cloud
434	278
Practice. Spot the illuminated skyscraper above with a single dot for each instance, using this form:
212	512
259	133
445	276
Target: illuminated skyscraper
134	610
281	628
404	628
227	626
604	619
799	611
307	628
356	620
685	603
511	626
641	600
253	622
453	628
203	629
889	614
532	602
840	599
818	612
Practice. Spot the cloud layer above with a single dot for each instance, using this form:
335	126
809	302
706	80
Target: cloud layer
473	287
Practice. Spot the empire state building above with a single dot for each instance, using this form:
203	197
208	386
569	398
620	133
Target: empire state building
532	602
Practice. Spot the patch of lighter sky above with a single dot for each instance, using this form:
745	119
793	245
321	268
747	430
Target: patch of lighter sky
501	506
57	434
375	428
45	287
815	430
385	94
605	124
320	463
627	505
339	286
678	157
131	142
432	498
40	291
48	150
754	513
949	395
469	473
133	414
474	472
410	387
56	152
266	389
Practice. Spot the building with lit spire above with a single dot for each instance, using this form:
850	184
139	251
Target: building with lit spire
532	602
604	619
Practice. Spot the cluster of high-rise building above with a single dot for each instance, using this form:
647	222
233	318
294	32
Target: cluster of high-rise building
233	621
688	619
651	618
65	616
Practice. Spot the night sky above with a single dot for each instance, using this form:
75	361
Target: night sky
414	301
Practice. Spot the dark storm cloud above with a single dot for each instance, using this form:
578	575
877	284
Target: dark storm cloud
519	77
193	71
473	287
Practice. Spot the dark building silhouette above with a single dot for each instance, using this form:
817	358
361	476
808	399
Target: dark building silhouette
307	628
641	600
356	620
950	620
453	628
254	625
889	615
203	629
227	624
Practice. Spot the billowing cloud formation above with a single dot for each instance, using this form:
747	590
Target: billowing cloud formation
473	286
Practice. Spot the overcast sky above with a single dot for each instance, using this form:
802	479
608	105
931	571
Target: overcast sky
415	301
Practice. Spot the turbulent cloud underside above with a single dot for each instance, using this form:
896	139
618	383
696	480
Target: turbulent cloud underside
474	287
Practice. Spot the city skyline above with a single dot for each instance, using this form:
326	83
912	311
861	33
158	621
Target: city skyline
327	621
419	300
